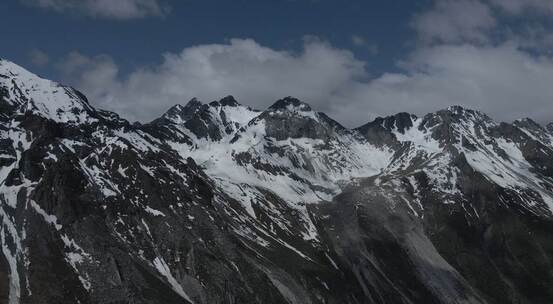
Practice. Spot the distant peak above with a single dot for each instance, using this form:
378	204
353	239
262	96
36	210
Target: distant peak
456	112
191	105
527	122
229	101
399	122
179	113
401	116
194	102
290	103
459	109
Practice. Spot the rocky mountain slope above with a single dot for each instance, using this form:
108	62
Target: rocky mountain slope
221	203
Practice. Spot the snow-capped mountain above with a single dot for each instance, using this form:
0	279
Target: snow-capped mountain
221	203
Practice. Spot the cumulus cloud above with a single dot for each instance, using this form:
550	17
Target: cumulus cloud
502	80
38	57
97	77
256	74
115	9
454	21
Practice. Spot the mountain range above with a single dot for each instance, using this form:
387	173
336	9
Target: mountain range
221	203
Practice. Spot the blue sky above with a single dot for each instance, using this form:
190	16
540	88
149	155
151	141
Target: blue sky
352	59
279	24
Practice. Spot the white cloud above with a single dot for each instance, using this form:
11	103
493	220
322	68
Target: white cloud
97	76
38	57
115	9
255	74
503	80
454	21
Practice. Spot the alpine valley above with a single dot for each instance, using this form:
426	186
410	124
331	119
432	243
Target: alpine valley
221	203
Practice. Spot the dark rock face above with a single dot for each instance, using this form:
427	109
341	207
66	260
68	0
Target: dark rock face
229	101
291	118
388	250
399	122
220	203
381	130
212	121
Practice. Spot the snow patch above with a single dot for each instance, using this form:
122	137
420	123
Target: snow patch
163	269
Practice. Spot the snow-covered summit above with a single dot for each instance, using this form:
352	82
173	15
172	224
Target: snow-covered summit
291	118
454	115
215	121
26	92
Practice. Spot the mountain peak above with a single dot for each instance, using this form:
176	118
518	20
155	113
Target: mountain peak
291	118
455	114
214	121
400	122
527	123
549	127
194	102
381	130
179	114
290	103
229	101
462	110
26	92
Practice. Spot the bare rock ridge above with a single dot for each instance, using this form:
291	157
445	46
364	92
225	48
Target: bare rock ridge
221	203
